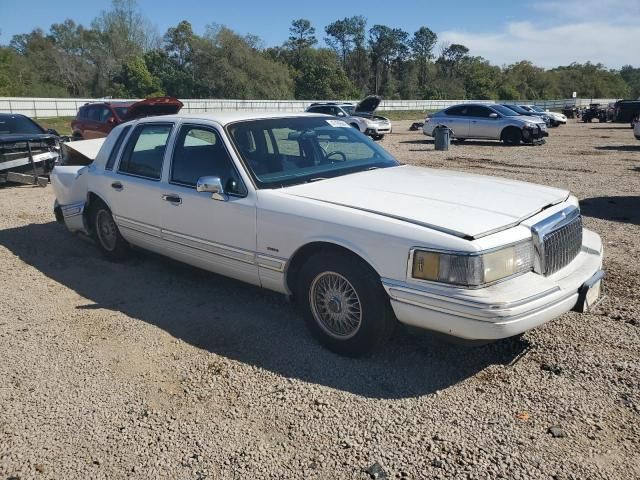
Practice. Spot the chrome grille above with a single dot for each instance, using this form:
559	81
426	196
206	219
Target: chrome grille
561	246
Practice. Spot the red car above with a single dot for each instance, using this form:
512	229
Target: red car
96	120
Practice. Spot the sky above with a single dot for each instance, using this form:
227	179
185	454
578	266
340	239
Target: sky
547	32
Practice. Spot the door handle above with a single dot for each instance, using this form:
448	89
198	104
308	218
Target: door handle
172	199
116	186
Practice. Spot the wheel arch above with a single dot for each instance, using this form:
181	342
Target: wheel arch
302	254
93	199
508	128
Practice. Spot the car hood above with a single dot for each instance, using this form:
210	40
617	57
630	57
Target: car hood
154	106
368	105
461	204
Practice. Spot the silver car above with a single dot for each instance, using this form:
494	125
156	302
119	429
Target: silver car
488	122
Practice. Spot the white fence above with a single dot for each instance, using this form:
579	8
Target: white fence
67	107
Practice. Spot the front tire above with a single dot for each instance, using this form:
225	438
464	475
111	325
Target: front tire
106	234
512	136
344	304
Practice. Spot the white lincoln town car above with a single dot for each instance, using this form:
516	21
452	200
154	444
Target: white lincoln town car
307	206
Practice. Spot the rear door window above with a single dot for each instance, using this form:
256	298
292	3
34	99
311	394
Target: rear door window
144	153
458	111
113	155
93	113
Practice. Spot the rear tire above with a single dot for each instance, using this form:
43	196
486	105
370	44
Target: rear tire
344	304
106	234
511	136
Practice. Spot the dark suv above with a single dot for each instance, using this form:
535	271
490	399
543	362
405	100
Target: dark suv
96	120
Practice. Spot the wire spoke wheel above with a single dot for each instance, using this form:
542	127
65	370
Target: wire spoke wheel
335	305
107	230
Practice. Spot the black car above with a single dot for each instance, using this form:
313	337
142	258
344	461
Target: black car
27	151
626	110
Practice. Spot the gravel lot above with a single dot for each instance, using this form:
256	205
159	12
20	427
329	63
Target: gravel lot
153	369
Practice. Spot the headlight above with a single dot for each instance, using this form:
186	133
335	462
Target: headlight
530	125
370	123
472	270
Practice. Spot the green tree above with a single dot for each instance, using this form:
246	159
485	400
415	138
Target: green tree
301	38
422	44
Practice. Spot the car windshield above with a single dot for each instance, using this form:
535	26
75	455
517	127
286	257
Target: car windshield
18	124
537	108
527	108
517	109
286	151
507	112
349	109
121	111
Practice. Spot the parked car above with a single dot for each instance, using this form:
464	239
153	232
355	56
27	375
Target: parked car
96	120
28	152
487	121
626	110
594	111
555	118
529	113
360	116
309	207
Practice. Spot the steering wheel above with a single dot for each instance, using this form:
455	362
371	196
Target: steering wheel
336	152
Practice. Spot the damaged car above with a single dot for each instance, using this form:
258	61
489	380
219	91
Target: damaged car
28	152
304	205
96	120
488	121
360	116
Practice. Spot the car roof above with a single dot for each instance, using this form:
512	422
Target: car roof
337	104
225	118
7	115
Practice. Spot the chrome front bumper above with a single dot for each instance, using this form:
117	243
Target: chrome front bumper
501	310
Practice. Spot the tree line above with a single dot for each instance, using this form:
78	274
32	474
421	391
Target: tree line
121	55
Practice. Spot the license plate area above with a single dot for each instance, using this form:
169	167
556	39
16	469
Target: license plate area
591	294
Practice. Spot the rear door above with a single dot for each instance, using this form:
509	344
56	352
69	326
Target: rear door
91	123
456	118
481	125
133	190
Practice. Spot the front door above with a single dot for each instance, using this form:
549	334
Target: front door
215	234
481	125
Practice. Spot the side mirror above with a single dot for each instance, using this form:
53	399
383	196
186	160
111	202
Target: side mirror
341	114
111	120
493	115
212	185
53	131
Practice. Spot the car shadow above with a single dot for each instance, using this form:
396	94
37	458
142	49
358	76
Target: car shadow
619	148
617	209
243	322
621	127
